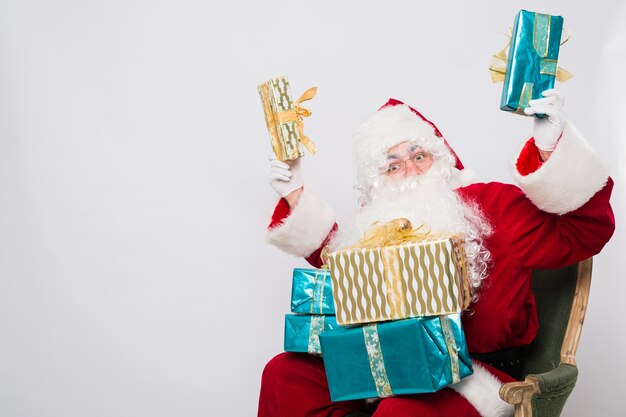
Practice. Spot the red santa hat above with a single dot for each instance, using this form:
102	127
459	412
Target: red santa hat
393	123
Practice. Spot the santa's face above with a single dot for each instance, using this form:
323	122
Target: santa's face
407	159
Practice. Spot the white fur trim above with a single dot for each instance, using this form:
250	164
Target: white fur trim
566	181
306	227
462	178
482	389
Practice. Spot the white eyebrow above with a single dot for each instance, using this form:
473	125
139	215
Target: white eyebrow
394	156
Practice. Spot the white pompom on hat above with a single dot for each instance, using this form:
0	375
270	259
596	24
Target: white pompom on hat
394	123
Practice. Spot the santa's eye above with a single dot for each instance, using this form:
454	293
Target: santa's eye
418	157
394	167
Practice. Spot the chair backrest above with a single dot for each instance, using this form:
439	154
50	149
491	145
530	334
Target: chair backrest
562	296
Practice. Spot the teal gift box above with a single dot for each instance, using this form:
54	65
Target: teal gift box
532	60
411	356
302	332
311	292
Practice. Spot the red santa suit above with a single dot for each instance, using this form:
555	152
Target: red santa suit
560	214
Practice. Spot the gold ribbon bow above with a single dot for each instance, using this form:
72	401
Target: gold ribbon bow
381	234
497	68
394	232
297	114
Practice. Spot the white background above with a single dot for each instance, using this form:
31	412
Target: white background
134	280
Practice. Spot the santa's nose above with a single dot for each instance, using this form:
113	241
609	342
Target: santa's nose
412	169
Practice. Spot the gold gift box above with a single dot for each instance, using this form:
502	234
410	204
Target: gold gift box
283	118
424	278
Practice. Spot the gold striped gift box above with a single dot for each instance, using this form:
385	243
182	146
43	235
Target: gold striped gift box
284	118
424	278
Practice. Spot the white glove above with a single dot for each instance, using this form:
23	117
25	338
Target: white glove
285	177
548	130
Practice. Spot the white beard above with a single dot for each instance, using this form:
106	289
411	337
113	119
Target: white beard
430	201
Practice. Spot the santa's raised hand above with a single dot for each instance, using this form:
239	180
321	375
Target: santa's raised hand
548	130
286	179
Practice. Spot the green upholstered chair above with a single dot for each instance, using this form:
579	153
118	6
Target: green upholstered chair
550	365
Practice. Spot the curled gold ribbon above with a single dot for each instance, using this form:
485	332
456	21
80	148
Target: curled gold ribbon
296	115
497	68
390	233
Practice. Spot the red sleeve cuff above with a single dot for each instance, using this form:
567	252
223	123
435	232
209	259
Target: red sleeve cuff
281	212
529	159
315	258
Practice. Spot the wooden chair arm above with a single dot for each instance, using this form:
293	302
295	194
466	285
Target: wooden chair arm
519	394
516	392
553	385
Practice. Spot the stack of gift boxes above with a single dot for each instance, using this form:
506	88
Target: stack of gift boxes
386	320
314	310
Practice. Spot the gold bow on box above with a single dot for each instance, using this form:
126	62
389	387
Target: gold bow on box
394	232
284	118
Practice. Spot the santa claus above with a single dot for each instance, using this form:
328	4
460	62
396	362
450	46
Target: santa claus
559	214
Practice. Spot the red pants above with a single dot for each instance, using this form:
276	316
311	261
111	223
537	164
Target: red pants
294	385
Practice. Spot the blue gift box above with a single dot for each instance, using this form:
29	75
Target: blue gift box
302	332
311	292
411	356
532	60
